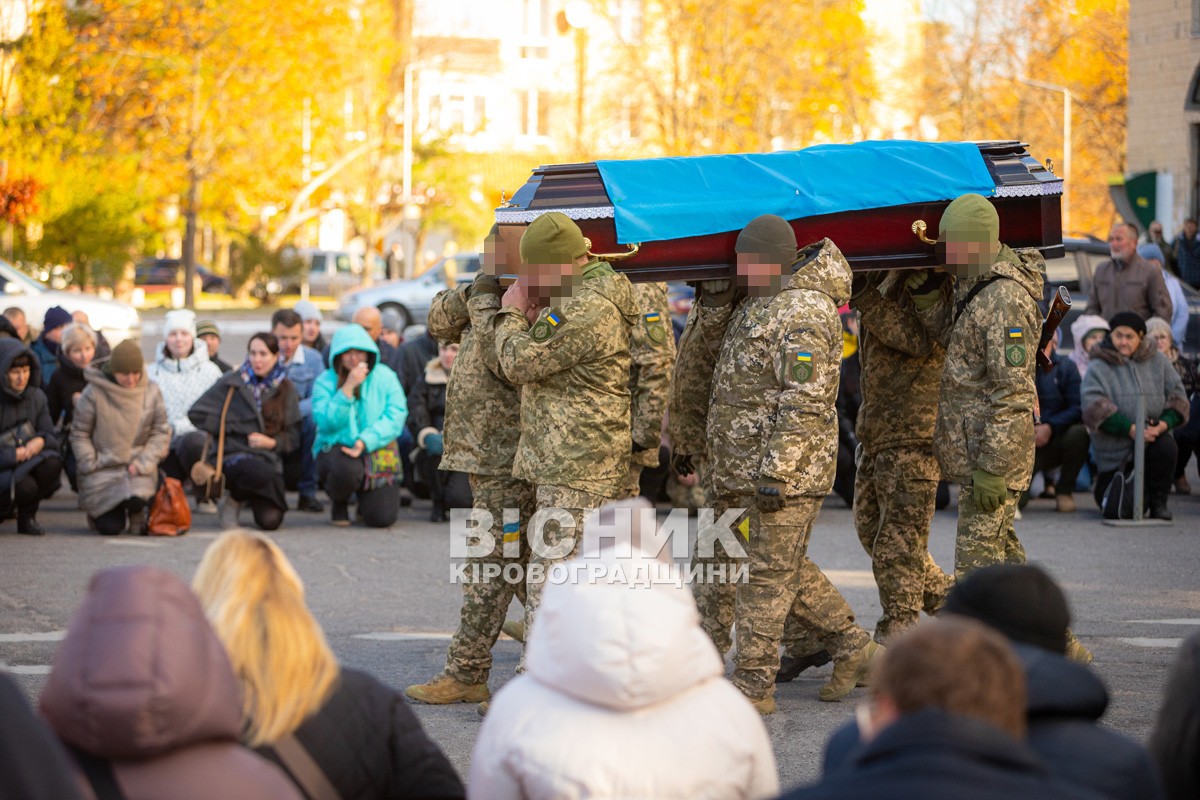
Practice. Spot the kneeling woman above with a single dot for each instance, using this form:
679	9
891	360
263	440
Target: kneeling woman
119	434
261	425
359	409
30	467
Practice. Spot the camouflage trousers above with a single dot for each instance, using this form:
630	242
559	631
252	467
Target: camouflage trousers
716	599
894	493
633	482
485	603
985	538
578	505
783	580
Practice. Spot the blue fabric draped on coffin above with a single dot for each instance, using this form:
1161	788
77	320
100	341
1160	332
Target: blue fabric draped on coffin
658	199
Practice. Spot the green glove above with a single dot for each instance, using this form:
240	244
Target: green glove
716	293
682	464
988	490
770	496
925	288
484	284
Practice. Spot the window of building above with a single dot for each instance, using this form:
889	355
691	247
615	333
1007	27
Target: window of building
535	28
1192	101
535	113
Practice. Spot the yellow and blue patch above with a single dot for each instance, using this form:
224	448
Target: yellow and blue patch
654	316
554	319
802	369
1014	333
512	531
804	356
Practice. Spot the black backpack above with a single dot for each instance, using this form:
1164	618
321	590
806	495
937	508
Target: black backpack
1118	497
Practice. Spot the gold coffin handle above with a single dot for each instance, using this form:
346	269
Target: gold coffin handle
919	227
633	251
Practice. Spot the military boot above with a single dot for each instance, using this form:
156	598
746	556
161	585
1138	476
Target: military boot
443	689
791	666
514	629
1076	651
482	708
850	672
763	705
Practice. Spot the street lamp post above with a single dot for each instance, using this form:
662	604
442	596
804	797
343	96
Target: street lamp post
406	189
1066	162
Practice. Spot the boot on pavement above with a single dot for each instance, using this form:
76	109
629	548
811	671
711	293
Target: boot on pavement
482	708
1064	504
852	671
443	689
1158	506
1182	486
514	629
764	705
792	666
1077	652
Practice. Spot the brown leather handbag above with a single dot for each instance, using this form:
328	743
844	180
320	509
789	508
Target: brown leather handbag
209	479
170	515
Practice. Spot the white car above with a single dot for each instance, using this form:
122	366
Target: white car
410	298
117	321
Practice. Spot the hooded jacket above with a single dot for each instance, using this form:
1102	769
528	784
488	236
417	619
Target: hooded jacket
483	411
182	381
377	414
573	364
1112	386
776	381
32	761
985	406
28	406
142	681
1079	331
114	427
1064	703
624	696
279	418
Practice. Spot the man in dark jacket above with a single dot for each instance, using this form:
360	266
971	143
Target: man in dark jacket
45	346
413	355
1059	434
1127	282
1187	253
931	734
1065	700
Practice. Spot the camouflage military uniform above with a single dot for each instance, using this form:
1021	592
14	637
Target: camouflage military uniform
772	417
481	431
896	484
652	353
573	366
985	411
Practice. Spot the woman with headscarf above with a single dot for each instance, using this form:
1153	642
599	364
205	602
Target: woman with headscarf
1086	332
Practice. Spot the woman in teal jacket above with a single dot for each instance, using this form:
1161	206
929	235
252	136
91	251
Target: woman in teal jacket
359	409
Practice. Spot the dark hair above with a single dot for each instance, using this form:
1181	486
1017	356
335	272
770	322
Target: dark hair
287	318
1133	229
1185	222
342	373
267	339
20	360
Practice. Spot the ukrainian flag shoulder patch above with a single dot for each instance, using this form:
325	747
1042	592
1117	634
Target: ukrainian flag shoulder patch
1014	333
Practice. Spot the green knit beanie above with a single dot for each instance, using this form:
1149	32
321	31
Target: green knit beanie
970	218
768	236
126	357
552	238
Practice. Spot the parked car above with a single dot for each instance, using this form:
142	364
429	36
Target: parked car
330	272
117	321
167	272
1074	270
410	298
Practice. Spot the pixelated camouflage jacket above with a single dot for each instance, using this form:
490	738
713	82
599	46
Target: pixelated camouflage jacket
652	353
776	380
691	384
901	360
985	408
483	412
573	366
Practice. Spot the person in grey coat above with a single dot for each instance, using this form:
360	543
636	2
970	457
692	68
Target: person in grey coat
119	435
1124	366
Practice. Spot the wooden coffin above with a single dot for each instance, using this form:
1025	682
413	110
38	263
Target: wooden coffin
1026	195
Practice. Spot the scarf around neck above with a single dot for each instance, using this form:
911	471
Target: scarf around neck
265	384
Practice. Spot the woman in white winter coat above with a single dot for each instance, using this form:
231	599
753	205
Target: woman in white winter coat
623	696
183	373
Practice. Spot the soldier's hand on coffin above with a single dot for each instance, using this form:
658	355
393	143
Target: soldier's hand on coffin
925	288
716	293
484	284
770	496
864	281
682	465
988	490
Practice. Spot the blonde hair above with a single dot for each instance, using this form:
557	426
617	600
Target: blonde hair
75	335
255	602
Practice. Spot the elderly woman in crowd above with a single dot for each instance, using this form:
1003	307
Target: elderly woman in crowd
76	352
1087	331
261	425
426	420
1124	366
119	435
361	734
30	467
1186	436
183	372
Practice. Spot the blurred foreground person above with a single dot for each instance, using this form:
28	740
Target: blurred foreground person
142	693
945	721
1175	741
357	733
624	694
33	763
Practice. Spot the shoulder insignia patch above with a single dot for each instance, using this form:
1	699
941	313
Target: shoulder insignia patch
1015	354
654	327
544	328
802	367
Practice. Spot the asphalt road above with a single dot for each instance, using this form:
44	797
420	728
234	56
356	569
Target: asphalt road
387	604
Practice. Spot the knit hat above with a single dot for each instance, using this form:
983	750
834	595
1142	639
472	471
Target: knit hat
126	357
1019	600
969	218
1087	324
308	311
56	317
391	320
1130	320
206	326
1150	251
768	236
552	238
181	319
